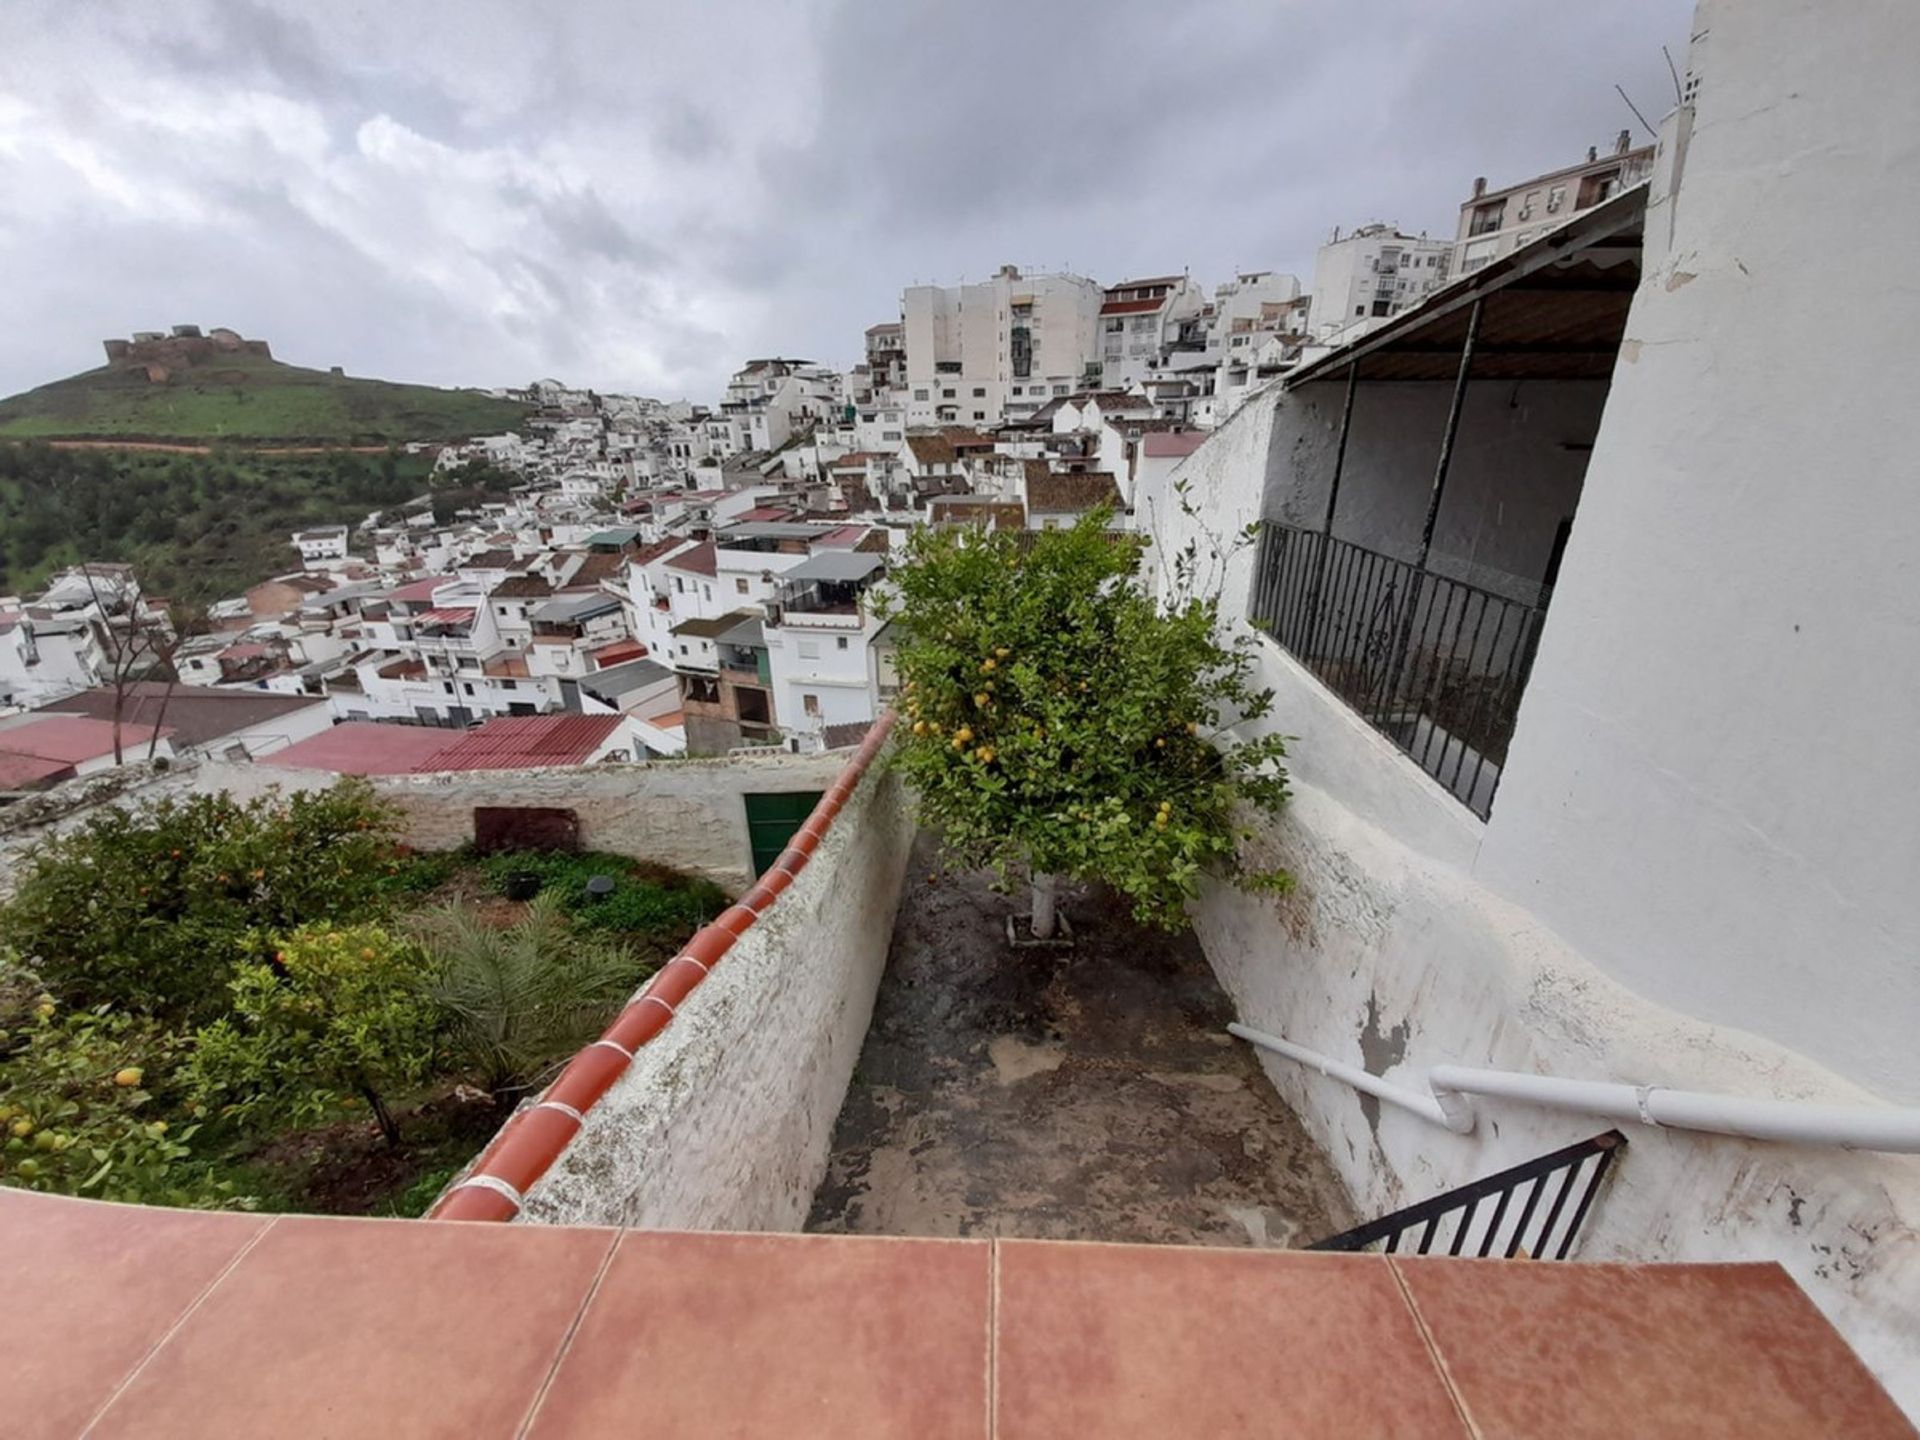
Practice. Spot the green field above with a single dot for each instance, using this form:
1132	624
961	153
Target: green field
249	398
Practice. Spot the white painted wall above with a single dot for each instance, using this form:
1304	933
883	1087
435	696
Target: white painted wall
1711	791
724	1121
1698	869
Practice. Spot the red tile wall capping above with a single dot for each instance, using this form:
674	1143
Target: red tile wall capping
532	1140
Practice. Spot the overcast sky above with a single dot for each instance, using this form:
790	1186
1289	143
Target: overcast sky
638	196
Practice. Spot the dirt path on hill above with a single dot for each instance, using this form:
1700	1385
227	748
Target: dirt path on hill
1092	1094
172	448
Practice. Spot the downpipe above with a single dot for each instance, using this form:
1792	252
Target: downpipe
1847	1127
1453	1111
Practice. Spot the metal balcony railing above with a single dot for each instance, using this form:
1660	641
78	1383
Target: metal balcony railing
1434	664
1541	1226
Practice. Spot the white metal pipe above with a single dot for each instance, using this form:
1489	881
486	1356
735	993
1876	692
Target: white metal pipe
1851	1127
1456	1116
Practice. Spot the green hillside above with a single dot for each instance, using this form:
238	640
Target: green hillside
195	526
249	398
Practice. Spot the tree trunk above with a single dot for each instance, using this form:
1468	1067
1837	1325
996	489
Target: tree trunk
1044	887
383	1117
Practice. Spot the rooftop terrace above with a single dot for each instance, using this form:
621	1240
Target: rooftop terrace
126	1321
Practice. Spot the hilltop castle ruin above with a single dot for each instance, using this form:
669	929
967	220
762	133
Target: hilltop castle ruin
158	355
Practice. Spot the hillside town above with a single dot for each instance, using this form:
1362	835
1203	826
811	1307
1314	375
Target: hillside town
666	579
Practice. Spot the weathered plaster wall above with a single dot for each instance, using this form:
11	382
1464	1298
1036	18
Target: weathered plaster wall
688	814
724	1120
1391	956
1711	790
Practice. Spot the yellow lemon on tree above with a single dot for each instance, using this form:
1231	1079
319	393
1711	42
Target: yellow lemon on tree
128	1077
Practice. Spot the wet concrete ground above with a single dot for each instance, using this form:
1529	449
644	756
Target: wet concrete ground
1090	1094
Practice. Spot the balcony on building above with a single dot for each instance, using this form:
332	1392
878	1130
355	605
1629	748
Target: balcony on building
827	590
1410	564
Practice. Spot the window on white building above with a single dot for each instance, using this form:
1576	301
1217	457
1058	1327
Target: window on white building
811	704
740	585
809	649
919	394
979	393
840	641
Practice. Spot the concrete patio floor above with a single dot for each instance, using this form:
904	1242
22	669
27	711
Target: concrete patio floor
1089	1094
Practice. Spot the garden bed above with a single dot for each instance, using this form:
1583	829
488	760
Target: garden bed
275	1006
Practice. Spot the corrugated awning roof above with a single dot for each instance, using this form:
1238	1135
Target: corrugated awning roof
1551	310
835	565
711	628
521	742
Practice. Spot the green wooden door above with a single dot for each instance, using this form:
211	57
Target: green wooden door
771	821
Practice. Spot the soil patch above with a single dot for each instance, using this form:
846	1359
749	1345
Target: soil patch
1090	1094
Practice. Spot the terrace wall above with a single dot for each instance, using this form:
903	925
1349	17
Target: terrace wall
686	814
724	1119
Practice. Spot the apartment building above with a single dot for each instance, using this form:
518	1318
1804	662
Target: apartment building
976	354
1141	322
1371	273
1495	223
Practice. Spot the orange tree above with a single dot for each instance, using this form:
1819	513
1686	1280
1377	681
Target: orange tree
1057	720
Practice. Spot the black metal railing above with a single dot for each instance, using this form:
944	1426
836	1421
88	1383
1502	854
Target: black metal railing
1435	664
1548	1184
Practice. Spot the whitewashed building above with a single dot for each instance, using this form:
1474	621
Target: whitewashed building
1638	808
1373	272
1001	347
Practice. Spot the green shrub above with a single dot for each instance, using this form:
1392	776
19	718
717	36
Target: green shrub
152	909
514	999
90	1102
338	1011
659	909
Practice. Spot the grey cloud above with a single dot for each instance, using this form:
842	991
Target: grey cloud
639	196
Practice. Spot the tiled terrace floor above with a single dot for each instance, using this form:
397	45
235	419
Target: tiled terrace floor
1092	1094
120	1321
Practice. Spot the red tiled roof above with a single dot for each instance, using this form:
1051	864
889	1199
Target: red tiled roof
647	554
765	512
700	560
1131	307
72	738
1173	446
526	1151
519	742
365	747
1054	494
617	652
842	537
417	590
932	449
450	615
17	772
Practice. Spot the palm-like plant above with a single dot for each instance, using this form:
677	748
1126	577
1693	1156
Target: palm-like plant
520	997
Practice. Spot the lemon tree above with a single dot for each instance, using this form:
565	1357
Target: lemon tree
338	1011
1056	720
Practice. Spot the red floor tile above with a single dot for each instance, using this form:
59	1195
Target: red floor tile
780	1335
86	1291
1695	1351
369	1328
1118	1341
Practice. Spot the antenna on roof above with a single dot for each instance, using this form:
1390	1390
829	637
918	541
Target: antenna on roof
1636	112
1678	98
